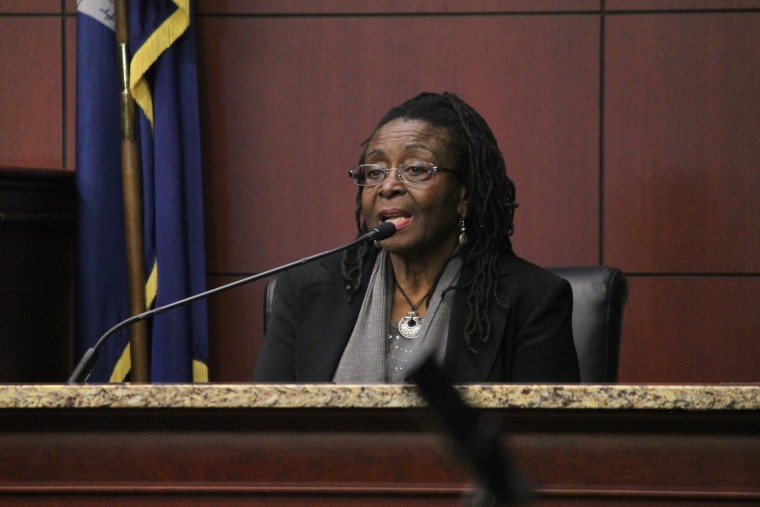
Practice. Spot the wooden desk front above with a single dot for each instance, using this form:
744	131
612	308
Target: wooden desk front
371	445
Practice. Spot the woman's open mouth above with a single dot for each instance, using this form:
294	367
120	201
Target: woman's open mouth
397	218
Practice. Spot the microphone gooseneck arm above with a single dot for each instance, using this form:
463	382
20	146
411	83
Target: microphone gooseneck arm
82	371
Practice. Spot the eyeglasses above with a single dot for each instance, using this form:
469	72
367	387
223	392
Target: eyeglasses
371	175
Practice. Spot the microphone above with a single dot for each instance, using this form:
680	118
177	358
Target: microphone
82	371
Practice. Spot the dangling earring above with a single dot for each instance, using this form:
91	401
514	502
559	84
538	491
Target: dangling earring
462	231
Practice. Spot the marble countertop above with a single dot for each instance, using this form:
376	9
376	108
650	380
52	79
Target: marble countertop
724	397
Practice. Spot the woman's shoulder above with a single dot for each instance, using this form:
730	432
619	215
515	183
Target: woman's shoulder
328	269
320	270
527	286
528	275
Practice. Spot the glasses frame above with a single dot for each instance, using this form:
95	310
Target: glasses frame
399	174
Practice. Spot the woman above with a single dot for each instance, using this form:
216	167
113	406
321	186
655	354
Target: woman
447	283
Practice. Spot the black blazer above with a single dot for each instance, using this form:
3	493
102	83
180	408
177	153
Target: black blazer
531	337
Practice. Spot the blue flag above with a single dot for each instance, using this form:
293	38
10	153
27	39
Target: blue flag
163	81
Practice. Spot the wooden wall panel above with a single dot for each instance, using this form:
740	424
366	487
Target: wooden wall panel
691	329
236	327
30	92
288	101
311	7
27	7
679	5
682	143
70	99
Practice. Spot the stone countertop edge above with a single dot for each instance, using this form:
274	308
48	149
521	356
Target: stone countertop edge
697	397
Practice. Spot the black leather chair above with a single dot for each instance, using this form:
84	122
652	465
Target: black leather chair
599	297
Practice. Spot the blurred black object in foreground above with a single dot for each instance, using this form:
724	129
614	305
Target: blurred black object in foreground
475	436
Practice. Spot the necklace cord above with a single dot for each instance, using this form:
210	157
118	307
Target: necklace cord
414	306
427	295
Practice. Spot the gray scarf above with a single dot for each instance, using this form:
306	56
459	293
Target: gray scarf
363	360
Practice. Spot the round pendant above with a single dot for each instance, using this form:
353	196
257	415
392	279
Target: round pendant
409	325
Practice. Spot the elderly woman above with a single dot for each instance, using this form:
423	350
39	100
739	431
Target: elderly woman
447	283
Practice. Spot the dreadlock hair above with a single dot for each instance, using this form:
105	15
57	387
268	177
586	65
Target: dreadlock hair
491	200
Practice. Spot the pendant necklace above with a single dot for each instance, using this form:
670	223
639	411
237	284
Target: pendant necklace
410	324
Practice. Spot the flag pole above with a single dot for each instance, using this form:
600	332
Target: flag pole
131	176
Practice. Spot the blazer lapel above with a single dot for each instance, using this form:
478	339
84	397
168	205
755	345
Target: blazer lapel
328	319
461	363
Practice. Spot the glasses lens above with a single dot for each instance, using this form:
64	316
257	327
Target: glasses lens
418	172
367	175
373	174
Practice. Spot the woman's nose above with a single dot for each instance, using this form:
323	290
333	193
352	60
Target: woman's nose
391	184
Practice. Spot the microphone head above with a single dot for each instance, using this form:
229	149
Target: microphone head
382	231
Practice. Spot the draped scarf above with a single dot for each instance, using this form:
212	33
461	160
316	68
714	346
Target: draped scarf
364	358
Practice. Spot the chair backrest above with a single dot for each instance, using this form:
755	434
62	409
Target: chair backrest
599	297
268	296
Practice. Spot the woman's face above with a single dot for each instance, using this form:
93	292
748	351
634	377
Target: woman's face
426	214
